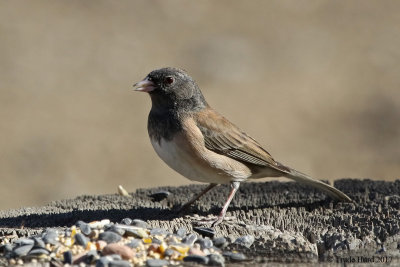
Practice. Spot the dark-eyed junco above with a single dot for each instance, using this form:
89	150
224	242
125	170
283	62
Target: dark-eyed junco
202	145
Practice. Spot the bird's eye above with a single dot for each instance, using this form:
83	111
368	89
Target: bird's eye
169	80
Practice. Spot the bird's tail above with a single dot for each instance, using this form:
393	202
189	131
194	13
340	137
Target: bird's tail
305	179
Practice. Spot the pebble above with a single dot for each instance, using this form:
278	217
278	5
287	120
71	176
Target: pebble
126	221
156	263
107	259
22	250
235	256
135	243
196	258
51	236
205	231
103	261
115	257
24	241
81	240
117	229
39	251
246	241
205	243
79	223
6	248
124	251
84	227
158	196
119	263
168	252
39	242
216	260
158	231
155	240
189	239
139	223
110	237
220	242
136	232
181	232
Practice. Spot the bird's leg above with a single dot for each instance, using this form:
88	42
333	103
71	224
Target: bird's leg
235	187
196	197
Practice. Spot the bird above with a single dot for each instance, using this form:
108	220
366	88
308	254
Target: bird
202	145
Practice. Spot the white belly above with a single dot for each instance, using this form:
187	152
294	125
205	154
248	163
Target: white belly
185	163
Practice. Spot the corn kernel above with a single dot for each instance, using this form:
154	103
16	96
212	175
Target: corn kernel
147	240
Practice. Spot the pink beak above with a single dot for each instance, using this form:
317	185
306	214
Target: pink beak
144	86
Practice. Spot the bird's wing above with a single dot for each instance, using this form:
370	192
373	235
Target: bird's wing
223	137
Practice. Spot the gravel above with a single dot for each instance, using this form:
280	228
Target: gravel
277	222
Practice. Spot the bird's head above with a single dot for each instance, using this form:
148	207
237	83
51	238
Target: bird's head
171	88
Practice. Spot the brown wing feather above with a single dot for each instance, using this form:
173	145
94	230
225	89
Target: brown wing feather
223	137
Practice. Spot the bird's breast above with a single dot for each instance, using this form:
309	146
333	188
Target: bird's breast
186	154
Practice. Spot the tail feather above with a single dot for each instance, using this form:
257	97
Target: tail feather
305	179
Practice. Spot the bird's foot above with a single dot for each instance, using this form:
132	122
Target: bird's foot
217	221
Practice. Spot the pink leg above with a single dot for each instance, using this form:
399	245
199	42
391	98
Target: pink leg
235	187
196	197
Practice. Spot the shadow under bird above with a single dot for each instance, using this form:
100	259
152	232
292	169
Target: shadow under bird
202	145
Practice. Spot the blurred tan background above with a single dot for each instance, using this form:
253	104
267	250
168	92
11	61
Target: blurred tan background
316	82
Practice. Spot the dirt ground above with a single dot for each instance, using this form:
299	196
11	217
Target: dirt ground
290	222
